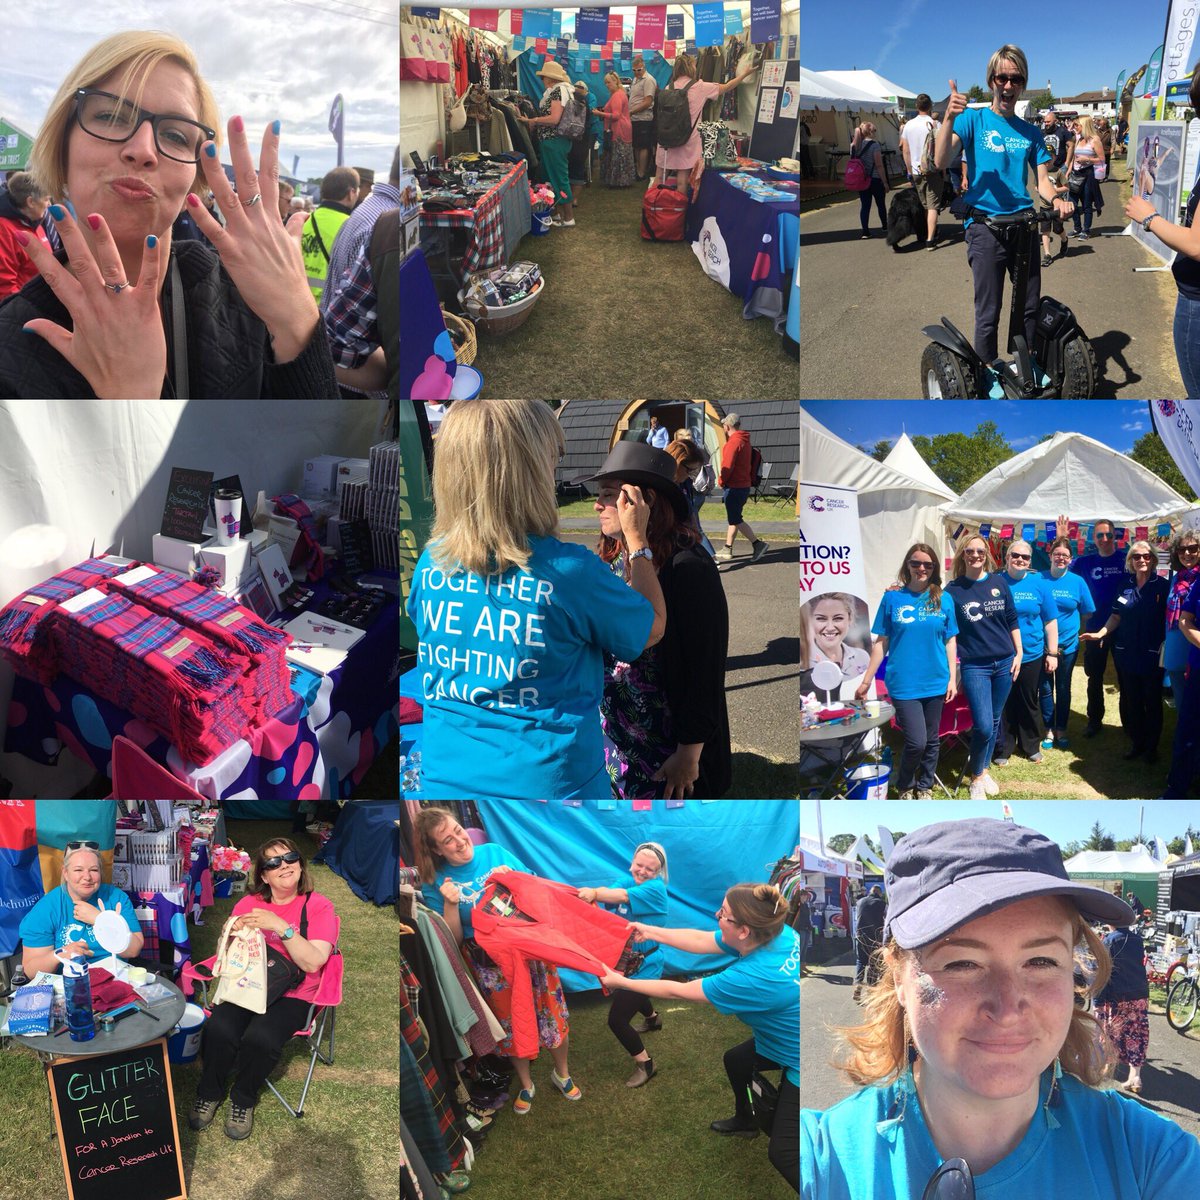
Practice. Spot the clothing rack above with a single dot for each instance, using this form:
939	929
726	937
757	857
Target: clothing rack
410	875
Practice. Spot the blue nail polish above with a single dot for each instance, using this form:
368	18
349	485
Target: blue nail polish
151	241
57	211
275	127
211	150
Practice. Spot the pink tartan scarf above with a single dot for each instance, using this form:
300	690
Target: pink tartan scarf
24	637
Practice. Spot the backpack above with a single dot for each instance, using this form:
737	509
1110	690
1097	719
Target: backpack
674	116
928	161
570	124
755	466
706	480
856	178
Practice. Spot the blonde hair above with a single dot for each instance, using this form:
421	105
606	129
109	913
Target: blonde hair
685	64
760	906
493	484
1087	128
958	567
613	80
137	52
808	610
1014	54
877	1051
1129	557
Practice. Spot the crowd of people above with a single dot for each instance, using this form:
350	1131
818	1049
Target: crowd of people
976	1060
1009	640
759	985
130	265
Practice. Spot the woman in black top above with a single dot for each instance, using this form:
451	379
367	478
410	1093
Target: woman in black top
665	713
1185	240
1138	625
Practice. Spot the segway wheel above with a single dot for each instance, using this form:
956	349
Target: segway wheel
944	375
1080	370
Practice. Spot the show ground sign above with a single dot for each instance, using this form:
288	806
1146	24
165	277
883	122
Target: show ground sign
115	1116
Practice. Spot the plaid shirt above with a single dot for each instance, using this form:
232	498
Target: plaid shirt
352	319
354	235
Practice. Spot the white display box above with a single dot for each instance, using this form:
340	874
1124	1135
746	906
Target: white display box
320	476
234	562
285	533
175	554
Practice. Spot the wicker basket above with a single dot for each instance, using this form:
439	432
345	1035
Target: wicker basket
464	353
498	321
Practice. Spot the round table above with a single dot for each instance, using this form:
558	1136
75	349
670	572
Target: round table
839	747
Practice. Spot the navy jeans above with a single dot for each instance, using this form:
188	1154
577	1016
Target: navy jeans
986	685
1187	344
875	192
918	721
990	259
1185	753
1055	693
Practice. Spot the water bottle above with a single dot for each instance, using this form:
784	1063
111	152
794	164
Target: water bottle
77	985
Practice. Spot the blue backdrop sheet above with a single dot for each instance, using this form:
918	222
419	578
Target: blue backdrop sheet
364	849
709	848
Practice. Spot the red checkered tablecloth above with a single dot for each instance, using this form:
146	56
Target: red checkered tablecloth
485	248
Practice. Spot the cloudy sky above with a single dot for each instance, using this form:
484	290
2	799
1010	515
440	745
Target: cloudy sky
269	59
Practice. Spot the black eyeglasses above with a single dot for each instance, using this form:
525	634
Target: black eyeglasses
951	1181
112	119
85	844
1019	80
277	860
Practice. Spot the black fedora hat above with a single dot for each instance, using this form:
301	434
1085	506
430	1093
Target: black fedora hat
645	467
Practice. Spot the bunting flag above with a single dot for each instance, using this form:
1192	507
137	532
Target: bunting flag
1141	533
1164	530
515	21
675	27
591	25
1027	534
985	530
1051	530
1006	531
709	20
487	19
650	26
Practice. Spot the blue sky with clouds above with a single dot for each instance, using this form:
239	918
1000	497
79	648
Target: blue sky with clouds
1116	423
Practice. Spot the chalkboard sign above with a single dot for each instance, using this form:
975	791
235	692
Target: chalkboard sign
115	1116
187	504
231	483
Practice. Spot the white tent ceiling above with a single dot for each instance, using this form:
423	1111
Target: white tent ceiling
904	457
872	83
1113	862
1070	474
818	90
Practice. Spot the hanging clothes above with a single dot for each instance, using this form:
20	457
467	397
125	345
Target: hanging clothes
729	102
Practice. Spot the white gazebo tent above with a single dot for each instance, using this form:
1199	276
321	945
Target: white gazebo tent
894	509
1070	474
838	107
903	457
873	84
1137	870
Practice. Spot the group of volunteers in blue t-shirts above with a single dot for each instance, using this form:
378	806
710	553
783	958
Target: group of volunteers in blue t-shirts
1017	635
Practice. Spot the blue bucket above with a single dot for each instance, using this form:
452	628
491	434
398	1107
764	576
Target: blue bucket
468	383
183	1044
868	782
539	226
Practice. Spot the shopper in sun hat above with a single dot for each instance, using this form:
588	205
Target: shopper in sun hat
555	149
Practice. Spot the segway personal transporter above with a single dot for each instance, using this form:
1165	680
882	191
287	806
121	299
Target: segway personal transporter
1063	364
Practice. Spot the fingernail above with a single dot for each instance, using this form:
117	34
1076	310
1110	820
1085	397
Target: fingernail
21	237
57	211
193	199
211	150
151	241
236	125
93	220
26	329
275	127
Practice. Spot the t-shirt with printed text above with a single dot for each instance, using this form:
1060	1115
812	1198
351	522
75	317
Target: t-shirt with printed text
470	878
1000	153
917	635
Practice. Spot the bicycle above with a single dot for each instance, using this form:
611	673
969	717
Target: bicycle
1183	998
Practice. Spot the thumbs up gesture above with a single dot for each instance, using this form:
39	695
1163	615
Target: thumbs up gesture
957	102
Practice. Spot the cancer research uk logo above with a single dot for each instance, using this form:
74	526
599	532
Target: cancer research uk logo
826	503
1166	407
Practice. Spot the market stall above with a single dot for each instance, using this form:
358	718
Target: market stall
829	876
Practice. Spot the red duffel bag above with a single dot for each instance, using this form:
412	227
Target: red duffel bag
663	212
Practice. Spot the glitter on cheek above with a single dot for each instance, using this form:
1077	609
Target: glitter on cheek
928	992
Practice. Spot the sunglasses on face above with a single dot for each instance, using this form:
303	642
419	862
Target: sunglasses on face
1018	80
1137	556
85	844
1105	537
277	860
974	553
1189	549
917	565
1019	557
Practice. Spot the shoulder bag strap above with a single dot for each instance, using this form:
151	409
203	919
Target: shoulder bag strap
179	333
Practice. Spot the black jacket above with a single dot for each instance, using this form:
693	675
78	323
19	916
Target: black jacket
869	915
228	349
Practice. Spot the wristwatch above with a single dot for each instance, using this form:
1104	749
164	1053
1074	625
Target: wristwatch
1146	222
287	933
644	552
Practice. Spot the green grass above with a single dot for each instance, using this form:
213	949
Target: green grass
712	514
617	1142
346	1143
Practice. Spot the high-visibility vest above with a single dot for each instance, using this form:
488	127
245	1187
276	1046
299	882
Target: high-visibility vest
316	244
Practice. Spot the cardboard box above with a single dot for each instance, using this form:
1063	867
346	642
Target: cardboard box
174	554
234	562
320	476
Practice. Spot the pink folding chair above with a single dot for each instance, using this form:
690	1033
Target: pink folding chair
319	1027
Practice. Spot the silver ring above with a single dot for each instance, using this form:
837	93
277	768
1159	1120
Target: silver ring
117	288
252	201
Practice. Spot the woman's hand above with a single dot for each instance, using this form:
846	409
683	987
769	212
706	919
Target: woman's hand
1137	209
587	895
500	870
951	690
1016	667
85	912
612	979
260	918
640	932
117	341
680	771
450	892
1096	636
860	692
634	514
73	949
1051	663
261	255
1062	527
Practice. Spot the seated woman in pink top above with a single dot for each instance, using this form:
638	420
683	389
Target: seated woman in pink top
687	161
617	167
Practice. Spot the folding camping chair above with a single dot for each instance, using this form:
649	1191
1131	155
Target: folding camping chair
763	483
786	492
954	730
318	1029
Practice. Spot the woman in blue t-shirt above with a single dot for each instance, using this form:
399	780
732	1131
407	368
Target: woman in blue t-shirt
1073	599
454	872
917	629
1037	620
974	1056
640	896
513	623
989	651
762	988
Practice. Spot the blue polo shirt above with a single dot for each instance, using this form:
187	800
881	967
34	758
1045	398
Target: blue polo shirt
647	904
917	637
1104	577
51	921
1035	606
986	617
1073	600
1000	154
762	989
471	876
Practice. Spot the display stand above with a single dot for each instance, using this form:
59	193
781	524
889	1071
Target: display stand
778	137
